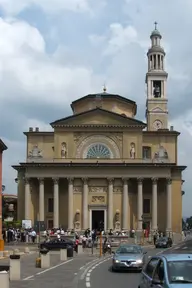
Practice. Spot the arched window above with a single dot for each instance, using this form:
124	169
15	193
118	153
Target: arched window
98	151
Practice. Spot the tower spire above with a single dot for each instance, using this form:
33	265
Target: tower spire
155	23
156	78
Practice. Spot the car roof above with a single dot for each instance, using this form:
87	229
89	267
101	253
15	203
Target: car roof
132	245
176	257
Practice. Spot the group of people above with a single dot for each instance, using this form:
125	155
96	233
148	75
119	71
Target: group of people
19	235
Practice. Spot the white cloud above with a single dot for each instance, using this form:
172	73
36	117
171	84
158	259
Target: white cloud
12	7
23	57
120	37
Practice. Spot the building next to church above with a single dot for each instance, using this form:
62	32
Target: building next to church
102	164
3	147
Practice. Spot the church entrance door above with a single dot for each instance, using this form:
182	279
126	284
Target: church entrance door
97	217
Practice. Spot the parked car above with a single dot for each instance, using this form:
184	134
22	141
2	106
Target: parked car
57	244
128	257
164	242
167	270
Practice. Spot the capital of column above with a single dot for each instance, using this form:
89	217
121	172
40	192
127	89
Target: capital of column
110	180
154	180
125	180
169	181
70	180
85	180
55	181
41	180
140	180
26	179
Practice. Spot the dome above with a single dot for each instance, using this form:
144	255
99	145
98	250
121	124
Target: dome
155	33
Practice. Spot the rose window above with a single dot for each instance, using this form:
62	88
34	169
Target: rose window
98	151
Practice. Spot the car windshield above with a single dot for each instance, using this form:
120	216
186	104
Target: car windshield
180	271
129	249
163	239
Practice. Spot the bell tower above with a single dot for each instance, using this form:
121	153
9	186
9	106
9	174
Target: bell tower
156	80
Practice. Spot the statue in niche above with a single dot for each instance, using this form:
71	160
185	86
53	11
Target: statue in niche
132	150
35	152
63	150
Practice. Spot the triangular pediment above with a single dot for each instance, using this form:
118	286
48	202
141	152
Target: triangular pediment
157	110
98	116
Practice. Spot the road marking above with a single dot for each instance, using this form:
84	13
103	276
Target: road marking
51	268
28	278
93	266
46	270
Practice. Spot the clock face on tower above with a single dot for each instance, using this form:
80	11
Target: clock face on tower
157	124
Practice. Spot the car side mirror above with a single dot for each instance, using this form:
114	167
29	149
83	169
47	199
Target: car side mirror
156	282
145	252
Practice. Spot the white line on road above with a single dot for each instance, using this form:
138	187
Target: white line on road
51	268
28	278
47	270
93	266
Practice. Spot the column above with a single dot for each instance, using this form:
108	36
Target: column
85	203
125	204
110	204
169	205
70	204
56	203
139	203
41	200
27	199
154	204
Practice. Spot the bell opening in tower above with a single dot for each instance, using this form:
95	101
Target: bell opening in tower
157	89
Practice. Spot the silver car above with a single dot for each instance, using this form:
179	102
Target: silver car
128	257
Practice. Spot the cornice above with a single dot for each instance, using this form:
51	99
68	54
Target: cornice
172	166
39	133
96	126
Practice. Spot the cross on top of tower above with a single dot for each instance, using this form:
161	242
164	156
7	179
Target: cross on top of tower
155	25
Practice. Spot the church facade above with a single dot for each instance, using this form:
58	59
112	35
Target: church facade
102	164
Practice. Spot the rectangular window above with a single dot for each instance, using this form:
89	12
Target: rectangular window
50	205
146	152
146	206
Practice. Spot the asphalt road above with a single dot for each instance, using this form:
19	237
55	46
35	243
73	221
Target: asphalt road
100	274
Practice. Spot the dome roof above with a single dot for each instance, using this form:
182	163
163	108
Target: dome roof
155	33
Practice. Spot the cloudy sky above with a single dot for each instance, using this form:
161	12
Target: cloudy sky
55	51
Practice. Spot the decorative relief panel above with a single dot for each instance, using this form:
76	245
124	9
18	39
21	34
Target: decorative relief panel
118	189
77	189
98	199
98	189
35	152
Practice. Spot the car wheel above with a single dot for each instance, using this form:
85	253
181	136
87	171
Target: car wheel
156	247
113	269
